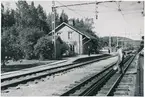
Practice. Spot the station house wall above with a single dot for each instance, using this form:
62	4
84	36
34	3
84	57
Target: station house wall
75	38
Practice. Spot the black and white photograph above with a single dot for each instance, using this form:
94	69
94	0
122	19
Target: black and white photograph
72	48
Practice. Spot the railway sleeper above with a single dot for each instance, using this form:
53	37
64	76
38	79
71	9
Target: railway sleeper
103	92
123	86
126	83
76	93
122	89
116	93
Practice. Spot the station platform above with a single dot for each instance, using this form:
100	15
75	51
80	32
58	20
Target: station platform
72	59
65	61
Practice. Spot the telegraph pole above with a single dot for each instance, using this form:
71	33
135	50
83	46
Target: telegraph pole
117	41
53	27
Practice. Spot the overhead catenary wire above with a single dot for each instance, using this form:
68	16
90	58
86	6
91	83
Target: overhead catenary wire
69	8
77	11
119	9
131	13
83	11
80	4
123	16
107	6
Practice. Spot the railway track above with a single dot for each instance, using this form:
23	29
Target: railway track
31	76
109	88
100	84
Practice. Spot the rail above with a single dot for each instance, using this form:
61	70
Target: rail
45	73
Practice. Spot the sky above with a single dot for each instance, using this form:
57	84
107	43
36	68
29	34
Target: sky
110	21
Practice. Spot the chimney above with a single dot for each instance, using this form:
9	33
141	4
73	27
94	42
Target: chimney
70	22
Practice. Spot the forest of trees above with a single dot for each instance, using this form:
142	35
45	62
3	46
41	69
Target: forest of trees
24	28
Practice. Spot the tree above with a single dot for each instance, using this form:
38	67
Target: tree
27	14
8	18
42	24
41	13
5	49
23	13
88	23
63	17
28	38
2	14
84	25
49	20
33	15
11	48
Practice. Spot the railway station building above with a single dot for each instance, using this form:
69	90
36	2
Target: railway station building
77	41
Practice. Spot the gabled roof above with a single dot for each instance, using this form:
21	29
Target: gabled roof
82	33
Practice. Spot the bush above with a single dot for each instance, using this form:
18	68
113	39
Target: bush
64	48
44	48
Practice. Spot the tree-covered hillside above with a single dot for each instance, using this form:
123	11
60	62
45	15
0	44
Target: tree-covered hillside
126	42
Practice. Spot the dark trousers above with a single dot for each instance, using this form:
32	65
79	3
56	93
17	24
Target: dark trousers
121	65
89	52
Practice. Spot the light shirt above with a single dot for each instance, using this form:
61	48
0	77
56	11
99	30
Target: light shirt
119	51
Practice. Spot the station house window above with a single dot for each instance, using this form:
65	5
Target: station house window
69	35
58	33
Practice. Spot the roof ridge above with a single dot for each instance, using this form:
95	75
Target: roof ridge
74	28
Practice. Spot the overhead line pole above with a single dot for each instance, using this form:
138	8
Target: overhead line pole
117	41
53	28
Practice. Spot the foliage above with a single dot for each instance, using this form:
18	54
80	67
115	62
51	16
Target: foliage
24	31
84	25
63	17
8	18
44	48
10	47
58	19
64	48
28	38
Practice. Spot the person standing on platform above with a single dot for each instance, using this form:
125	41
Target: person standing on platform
89	50
108	50
120	61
